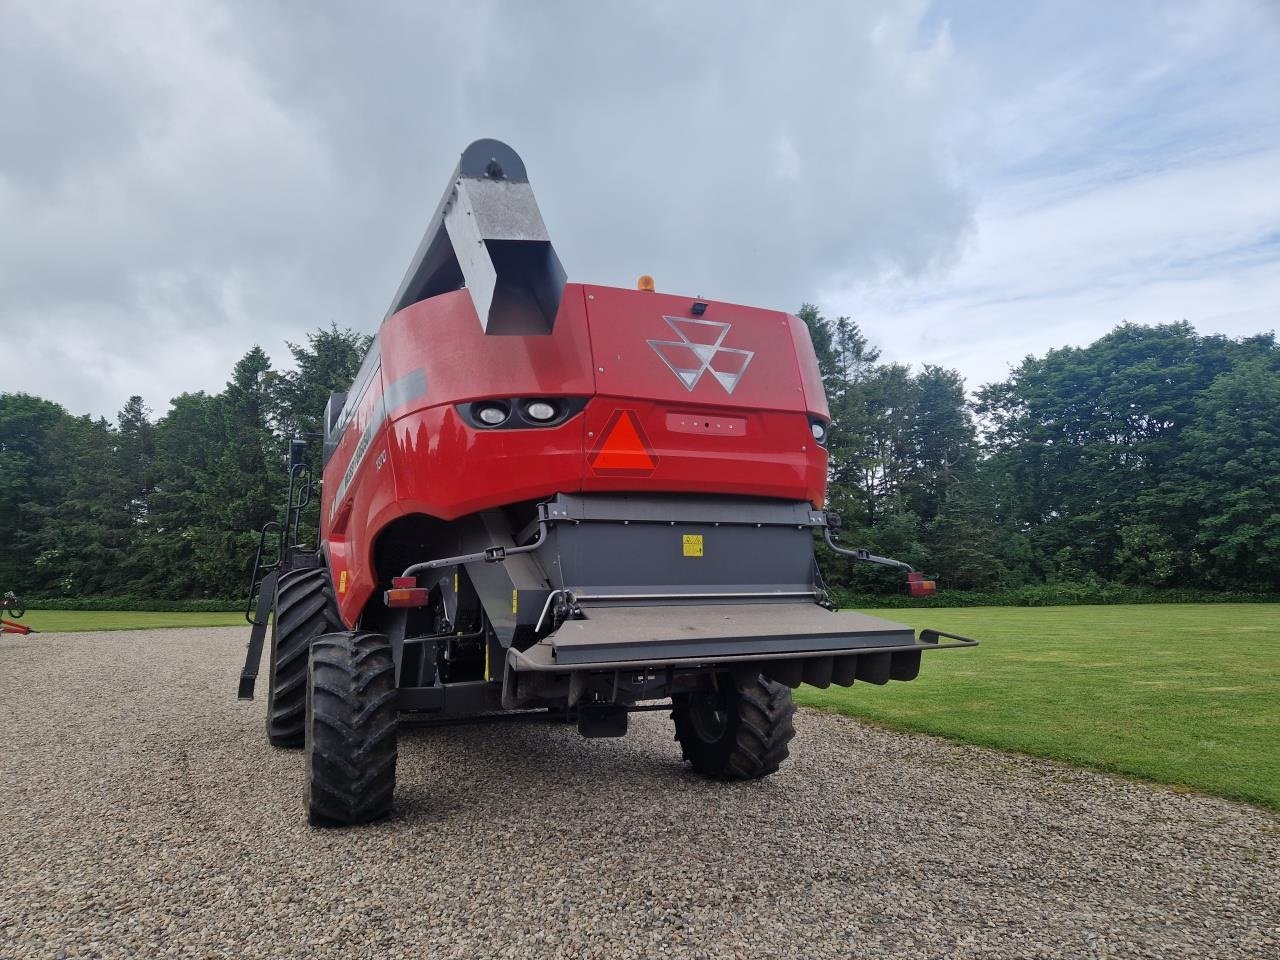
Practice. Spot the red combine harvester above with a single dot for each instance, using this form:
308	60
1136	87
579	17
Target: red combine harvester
549	496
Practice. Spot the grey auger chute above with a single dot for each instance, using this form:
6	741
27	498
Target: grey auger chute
487	235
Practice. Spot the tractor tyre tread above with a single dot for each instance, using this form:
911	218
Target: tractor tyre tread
756	740
351	729
304	609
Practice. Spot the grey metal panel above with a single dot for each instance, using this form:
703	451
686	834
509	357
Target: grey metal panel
411	386
463	228
638	633
456	699
497	210
414	699
258	633
496	583
613	558
539	659
665	509
487	234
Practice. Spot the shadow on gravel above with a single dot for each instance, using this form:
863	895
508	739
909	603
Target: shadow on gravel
497	767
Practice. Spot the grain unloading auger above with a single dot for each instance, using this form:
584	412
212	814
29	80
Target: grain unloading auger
549	496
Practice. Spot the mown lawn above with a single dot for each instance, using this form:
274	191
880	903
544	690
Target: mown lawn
50	621
1185	694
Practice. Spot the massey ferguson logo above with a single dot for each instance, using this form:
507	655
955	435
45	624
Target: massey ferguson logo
699	351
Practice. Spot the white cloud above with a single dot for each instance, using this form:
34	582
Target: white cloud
1131	174
124	246
179	180
189	178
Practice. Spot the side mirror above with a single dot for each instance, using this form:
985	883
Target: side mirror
297	454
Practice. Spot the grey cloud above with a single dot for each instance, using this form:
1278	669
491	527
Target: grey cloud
180	180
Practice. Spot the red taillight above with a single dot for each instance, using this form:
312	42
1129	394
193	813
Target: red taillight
404	593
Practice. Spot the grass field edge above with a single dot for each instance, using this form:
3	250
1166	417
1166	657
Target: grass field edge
1268	804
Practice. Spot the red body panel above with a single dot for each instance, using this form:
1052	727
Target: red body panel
624	323
723	399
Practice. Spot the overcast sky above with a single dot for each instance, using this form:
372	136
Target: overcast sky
970	181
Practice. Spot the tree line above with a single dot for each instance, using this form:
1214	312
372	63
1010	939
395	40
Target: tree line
1149	457
169	508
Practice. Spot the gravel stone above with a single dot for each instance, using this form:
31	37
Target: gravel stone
142	813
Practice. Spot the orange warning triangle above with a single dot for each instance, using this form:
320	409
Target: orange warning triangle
623	446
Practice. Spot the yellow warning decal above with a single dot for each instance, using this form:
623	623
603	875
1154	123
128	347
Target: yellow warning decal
692	544
515	595
342	582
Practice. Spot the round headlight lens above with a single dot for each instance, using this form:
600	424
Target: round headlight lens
491	414
819	432
541	411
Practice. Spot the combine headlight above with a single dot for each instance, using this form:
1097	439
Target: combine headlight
819	431
491	414
520	413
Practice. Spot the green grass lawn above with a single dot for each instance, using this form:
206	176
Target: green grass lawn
50	621
1185	694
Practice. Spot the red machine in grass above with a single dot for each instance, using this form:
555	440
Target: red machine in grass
12	604
549	496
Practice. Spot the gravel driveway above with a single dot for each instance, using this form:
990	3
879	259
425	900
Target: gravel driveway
143	813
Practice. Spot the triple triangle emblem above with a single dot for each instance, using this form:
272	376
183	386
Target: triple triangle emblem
699	350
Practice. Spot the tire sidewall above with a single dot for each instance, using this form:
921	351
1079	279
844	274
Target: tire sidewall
275	652
703	753
308	727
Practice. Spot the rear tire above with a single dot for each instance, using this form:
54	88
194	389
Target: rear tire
739	731
304	609
351	729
